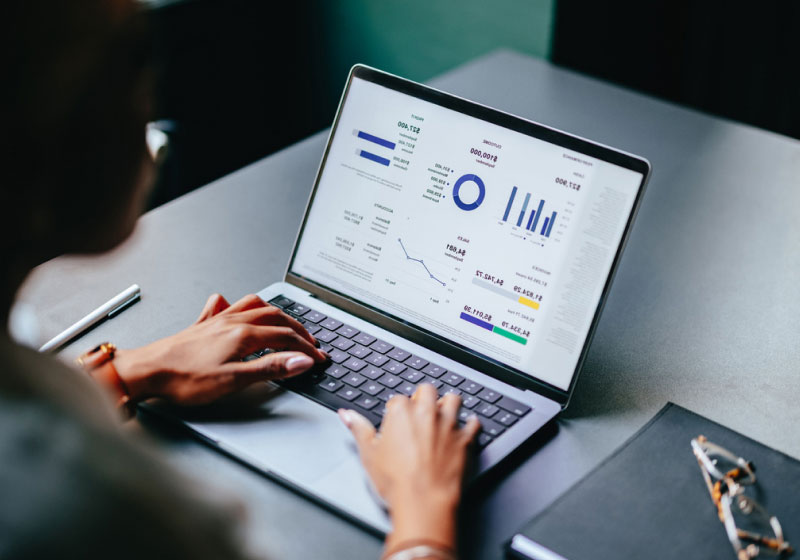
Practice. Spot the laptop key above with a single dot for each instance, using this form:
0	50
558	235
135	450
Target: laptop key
372	372
390	380
325	347
355	364
359	351
470	401
298	309
381	346
347	331
331	324
491	427
471	387
331	384
486	409
511	405
412	375
354	380
337	356
342	343
416	362
434	370
489	395
407	388
311	327
366	402
348	393
398	354
464	414
387	394
377	359
372	388
364	338
395	367
324	335
314	316
445	389
483	440
505	418
282	302
453	379
337	371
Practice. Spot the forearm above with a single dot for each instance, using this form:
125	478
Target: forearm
423	520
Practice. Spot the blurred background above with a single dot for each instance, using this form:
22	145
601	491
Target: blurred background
240	79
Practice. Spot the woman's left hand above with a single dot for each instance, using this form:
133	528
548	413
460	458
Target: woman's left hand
204	361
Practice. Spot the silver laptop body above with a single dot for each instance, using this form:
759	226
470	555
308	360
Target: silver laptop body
469	238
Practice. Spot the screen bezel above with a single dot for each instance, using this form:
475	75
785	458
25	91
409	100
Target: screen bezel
428	339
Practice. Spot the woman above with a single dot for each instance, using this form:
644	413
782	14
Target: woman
75	175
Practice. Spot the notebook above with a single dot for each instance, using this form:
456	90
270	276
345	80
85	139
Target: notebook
649	499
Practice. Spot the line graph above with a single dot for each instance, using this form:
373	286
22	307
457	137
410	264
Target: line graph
420	261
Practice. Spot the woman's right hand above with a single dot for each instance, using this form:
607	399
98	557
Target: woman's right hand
416	462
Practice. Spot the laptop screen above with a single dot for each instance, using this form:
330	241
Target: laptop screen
493	239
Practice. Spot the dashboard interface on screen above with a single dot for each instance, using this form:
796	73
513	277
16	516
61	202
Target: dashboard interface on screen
488	237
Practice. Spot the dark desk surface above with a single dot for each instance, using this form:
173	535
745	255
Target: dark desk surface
705	310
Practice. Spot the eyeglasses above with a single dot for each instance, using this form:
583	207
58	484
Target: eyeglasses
752	531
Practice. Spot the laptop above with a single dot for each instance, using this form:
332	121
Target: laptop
443	242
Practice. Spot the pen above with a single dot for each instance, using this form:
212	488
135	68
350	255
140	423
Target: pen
109	309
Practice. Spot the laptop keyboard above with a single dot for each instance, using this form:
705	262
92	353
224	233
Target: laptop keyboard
365	372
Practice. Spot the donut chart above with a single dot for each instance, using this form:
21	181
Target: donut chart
468	206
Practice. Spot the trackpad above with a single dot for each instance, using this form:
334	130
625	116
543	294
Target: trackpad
277	430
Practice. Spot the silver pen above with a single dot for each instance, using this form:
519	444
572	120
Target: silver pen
109	309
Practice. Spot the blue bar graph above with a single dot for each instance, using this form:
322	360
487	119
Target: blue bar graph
510	203
530	220
524	207
544	226
379	141
373	157
532	227
476	321
550	226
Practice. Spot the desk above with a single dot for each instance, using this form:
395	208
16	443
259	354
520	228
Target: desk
705	310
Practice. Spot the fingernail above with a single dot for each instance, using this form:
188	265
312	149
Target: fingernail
298	364
345	416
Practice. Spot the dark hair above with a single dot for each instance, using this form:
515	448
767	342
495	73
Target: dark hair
74	104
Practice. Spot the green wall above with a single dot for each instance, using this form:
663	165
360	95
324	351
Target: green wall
419	39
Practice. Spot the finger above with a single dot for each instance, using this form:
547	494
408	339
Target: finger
362	429
448	410
215	304
250	301
424	399
273	316
246	339
283	338
272	366
397	402
471	428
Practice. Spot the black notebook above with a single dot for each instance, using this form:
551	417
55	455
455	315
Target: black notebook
649	500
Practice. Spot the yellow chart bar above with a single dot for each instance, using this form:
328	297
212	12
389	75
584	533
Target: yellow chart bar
528	302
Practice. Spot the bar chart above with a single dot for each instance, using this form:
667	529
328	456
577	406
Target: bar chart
375	140
505	293
493	328
535	216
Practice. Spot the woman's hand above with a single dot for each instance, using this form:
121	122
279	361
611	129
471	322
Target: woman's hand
203	362
417	463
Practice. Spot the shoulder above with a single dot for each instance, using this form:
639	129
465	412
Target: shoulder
71	488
